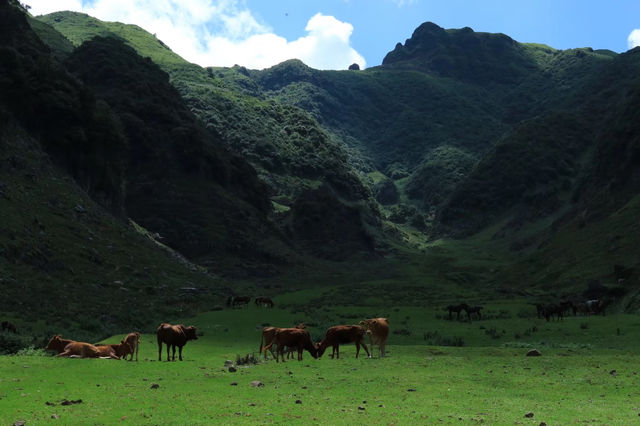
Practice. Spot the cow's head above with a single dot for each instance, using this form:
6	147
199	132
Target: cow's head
319	350
190	332
55	344
123	349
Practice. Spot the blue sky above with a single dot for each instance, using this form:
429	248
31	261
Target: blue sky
331	34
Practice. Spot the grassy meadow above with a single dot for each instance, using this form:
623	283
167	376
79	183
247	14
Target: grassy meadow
588	373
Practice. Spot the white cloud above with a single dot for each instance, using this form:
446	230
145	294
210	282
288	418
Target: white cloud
634	39
222	32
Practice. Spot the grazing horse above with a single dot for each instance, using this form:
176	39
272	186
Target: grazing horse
457	309
8	326
233	301
473	310
264	302
551	310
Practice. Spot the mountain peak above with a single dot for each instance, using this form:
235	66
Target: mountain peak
461	53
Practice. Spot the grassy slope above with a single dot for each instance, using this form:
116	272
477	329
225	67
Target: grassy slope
59	248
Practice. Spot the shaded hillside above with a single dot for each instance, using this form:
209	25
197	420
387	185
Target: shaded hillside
288	148
181	182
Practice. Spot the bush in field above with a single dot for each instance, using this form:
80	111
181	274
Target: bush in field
12	343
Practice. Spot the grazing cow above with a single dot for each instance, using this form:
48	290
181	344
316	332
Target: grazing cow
174	335
268	333
292	338
233	301
473	310
457	309
539	309
378	331
121	350
57	344
133	340
341	334
8	326
265	302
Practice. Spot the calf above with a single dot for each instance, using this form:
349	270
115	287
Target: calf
292	338
378	331
133	340
174	335
121	350
341	334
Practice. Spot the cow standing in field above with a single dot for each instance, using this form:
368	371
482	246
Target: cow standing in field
174	335
342	334
133	340
268	334
292	338
378	331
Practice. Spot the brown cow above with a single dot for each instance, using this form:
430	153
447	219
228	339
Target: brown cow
268	333
57	343
378	331
133	340
292	338
121	350
174	335
341	334
86	350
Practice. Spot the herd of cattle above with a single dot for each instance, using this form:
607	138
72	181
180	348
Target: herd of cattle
298	339
289	340
281	339
171	335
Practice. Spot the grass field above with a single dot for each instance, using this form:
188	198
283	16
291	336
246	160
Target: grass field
588	373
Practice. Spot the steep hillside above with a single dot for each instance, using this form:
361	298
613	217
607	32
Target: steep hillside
292	154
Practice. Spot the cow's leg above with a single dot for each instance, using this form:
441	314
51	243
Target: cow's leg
364	345
168	352
337	347
357	348
159	350
173	348
180	352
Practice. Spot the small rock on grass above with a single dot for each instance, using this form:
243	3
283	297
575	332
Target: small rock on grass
298	401
155	386
257	384
529	415
534	352
234	383
19	423
232	369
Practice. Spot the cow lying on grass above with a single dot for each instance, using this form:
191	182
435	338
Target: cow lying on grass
121	350
73	349
341	334
378	331
174	335
297	338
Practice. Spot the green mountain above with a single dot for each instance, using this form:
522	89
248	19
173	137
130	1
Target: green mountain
466	164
